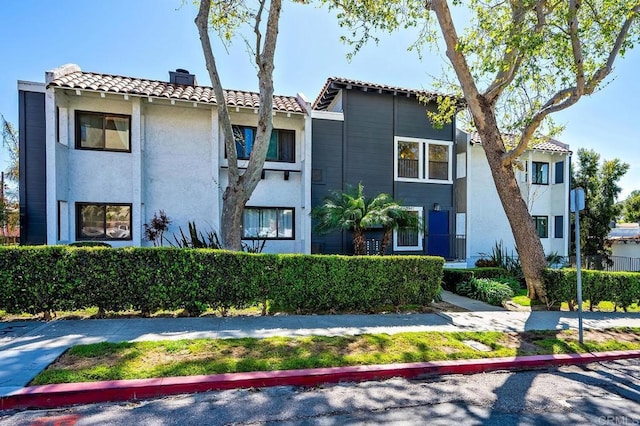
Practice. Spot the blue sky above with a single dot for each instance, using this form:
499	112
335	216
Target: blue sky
147	38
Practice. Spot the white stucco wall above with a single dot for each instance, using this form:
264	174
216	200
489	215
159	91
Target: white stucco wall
177	172
88	176
630	249
486	221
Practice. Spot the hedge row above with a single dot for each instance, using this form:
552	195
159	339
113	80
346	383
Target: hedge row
452	277
53	278
621	288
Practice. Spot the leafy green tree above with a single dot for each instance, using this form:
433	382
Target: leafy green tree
631	207
10	142
516	63
600	180
226	17
9	212
351	210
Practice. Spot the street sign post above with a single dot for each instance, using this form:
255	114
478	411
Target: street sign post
577	204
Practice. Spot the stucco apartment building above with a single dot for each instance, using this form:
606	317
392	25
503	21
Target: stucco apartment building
100	154
544	180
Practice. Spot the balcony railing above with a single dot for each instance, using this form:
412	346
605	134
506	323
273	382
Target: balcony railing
611	264
408	168
449	246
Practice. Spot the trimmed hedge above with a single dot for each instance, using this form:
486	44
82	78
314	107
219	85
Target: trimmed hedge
53	278
621	288
452	277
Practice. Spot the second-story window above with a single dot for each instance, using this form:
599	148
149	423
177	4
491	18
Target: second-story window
542	226
422	160
281	145
540	173
101	131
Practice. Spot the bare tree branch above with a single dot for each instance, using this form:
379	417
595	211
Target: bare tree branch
202	22
459	62
511	56
256	30
264	61
576	46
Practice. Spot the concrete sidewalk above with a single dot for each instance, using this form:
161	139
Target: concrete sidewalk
26	348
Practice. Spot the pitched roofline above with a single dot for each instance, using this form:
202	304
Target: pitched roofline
474	139
68	69
333	85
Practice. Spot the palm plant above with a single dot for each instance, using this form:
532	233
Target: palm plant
384	211
350	210
343	210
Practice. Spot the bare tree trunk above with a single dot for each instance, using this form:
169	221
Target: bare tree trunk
359	243
240	187
234	200
386	239
528	243
482	108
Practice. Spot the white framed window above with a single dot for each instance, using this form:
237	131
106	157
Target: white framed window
422	160
409	239
268	223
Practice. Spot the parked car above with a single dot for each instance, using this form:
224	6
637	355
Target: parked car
119	232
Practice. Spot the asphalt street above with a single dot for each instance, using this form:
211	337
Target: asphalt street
593	394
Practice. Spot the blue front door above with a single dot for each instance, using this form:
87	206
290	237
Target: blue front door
438	233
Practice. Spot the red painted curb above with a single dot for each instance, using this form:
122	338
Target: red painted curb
50	396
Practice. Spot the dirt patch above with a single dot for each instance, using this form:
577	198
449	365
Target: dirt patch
619	335
523	342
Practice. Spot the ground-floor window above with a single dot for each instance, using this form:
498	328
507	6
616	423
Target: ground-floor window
103	221
406	238
271	223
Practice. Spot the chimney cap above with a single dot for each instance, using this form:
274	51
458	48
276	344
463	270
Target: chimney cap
182	76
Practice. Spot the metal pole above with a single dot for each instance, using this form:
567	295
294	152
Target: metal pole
578	266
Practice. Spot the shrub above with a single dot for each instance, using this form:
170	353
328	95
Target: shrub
89	244
451	277
621	288
512	282
45	279
486	290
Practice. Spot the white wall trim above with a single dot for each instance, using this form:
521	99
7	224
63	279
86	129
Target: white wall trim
51	176
137	212
31	86
327	115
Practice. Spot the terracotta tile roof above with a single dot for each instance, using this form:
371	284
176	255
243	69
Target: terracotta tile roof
160	89
335	84
550	145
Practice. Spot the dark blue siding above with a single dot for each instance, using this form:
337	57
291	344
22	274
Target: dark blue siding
33	191
327	137
366	153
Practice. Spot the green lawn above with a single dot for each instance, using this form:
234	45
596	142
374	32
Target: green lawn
134	360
